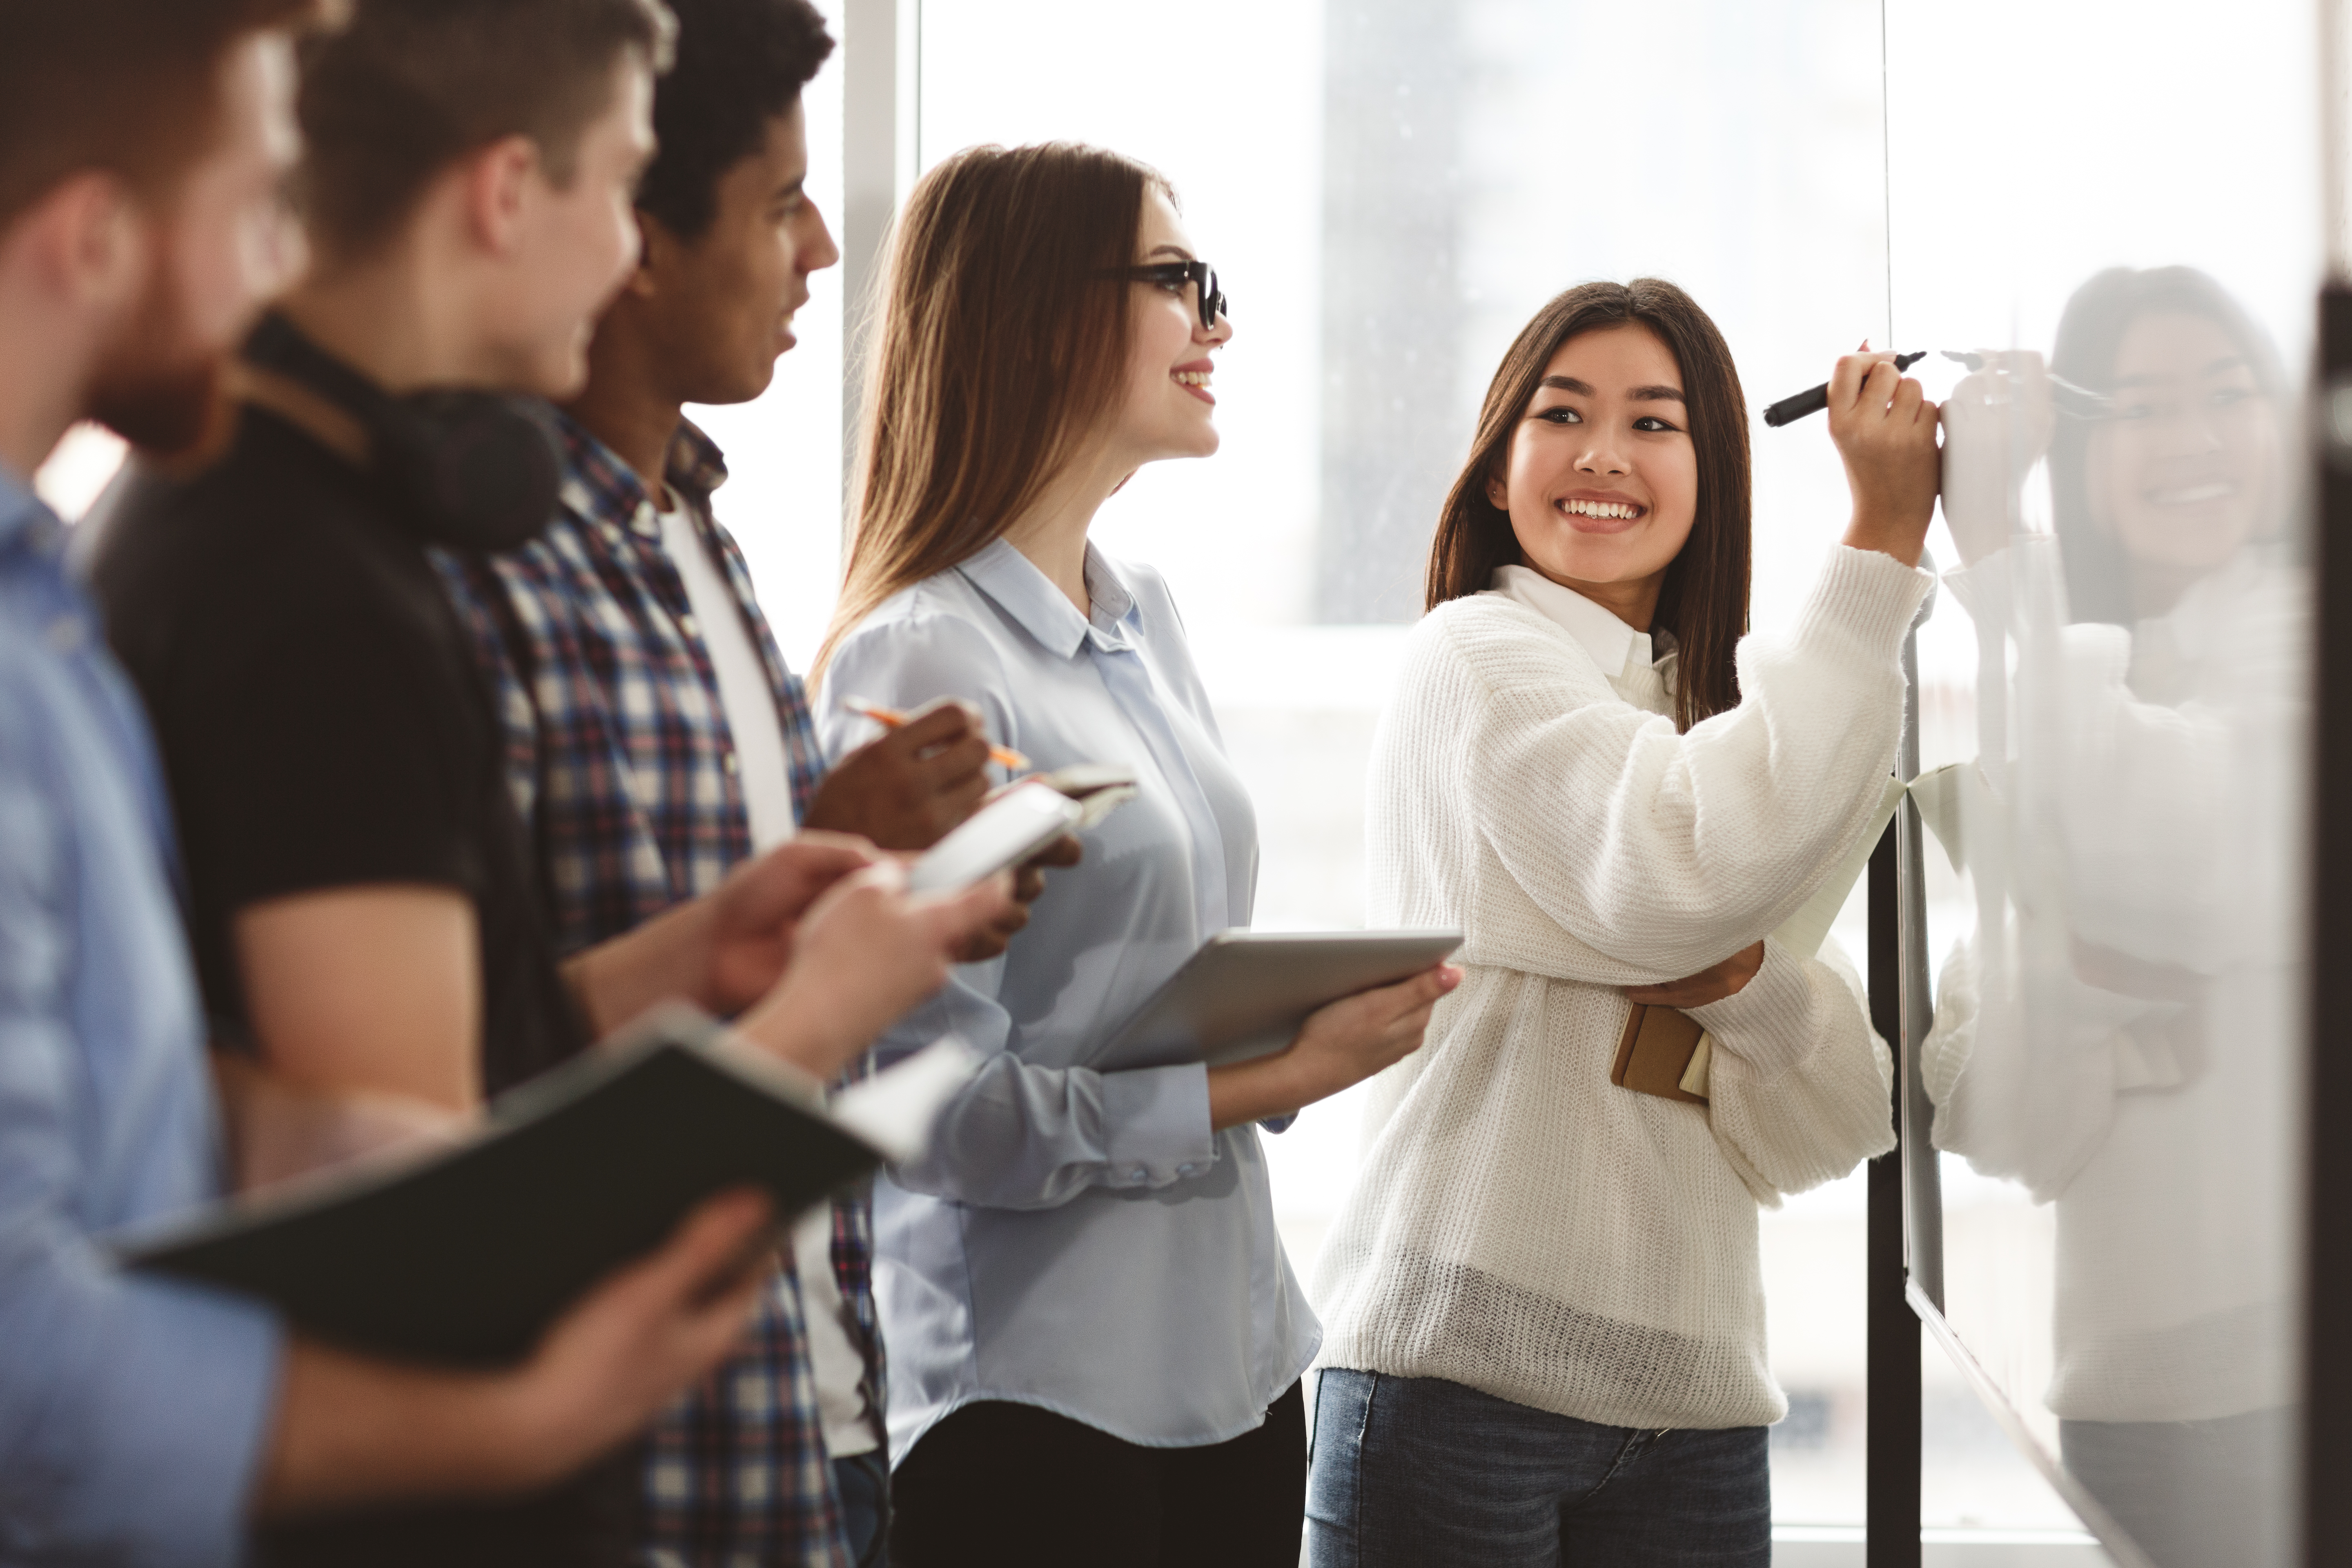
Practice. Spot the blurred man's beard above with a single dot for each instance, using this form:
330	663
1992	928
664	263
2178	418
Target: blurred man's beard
159	389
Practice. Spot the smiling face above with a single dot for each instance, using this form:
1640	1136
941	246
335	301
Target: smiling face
1601	480
2184	473
578	241
1169	410
724	302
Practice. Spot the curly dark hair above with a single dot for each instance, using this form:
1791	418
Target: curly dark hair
740	64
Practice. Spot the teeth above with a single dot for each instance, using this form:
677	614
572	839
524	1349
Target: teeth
1193	377
1597	508
2189	495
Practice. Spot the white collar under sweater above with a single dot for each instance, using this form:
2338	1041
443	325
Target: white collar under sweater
1615	647
1639	667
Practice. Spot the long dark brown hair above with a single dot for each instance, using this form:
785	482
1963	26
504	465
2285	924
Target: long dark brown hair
1002	345
1704	602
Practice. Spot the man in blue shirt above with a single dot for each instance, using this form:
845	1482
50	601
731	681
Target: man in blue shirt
142	147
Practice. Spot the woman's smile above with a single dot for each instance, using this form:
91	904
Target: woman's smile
1193	377
2193	494
1589	512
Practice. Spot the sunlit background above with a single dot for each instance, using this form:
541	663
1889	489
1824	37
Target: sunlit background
1388	188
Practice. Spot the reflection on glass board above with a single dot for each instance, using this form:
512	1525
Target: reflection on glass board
2116	677
2110	212
2116	1035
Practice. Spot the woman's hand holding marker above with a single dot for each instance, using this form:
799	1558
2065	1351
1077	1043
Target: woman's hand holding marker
1885	429
1998	423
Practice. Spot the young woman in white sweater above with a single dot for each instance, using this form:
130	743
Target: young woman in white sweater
1544	1323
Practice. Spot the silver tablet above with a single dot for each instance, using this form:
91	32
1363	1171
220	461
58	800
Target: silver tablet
1244	993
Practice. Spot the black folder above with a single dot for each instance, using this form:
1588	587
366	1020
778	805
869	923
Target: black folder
468	1255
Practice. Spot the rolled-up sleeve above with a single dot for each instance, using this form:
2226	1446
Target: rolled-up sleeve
132	1411
1024	1137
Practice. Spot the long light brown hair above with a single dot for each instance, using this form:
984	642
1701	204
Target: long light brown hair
1704	602
1004	342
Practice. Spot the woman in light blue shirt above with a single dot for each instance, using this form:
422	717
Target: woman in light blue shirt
1094	1337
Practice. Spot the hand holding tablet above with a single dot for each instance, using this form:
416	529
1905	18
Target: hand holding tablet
1245	993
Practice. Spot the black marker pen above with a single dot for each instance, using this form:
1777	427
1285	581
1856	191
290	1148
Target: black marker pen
1818	398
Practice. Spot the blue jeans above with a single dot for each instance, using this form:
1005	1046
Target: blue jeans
1423	1473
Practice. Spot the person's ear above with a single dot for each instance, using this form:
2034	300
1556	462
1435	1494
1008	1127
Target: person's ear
500	182
88	242
1498	490
658	251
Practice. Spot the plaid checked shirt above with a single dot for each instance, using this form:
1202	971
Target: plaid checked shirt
624	769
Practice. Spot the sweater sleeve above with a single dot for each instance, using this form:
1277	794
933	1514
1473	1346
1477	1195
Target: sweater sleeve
1800	1086
1655	853
2033	1111
2161	808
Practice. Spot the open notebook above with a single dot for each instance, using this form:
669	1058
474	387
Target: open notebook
466	1253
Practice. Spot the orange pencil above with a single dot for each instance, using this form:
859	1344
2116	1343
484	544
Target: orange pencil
890	719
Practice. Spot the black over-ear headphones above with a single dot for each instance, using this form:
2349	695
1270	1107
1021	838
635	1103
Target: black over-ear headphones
483	469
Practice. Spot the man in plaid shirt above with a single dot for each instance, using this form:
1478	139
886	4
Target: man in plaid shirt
657	738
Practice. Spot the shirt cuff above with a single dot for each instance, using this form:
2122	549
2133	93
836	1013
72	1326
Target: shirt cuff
1156	1121
1766	1023
181	1421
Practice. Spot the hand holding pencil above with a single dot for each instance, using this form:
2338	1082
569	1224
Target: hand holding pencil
892	718
905	790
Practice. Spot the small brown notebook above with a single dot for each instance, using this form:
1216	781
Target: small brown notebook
1655	1056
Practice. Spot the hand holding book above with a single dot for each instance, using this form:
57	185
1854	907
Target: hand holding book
868	950
474	1252
1663	1051
1712	984
817	944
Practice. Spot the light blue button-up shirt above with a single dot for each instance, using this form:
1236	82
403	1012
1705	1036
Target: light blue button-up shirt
1075	1239
132	1411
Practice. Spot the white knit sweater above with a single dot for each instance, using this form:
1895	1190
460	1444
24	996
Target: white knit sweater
1519	1224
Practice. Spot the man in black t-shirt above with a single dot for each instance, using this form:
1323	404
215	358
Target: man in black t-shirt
363	900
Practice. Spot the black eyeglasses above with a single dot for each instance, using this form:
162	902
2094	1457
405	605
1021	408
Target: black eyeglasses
1175	274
